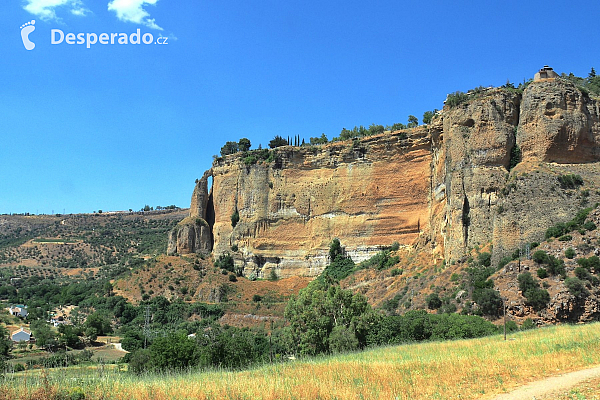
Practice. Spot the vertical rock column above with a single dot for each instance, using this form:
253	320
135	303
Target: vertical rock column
194	234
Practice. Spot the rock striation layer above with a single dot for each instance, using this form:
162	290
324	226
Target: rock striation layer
483	171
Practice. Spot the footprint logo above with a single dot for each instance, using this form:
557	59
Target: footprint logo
26	29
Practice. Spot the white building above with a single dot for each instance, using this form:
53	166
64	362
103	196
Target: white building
18	310
21	336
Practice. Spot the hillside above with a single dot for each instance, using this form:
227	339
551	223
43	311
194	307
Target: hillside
81	245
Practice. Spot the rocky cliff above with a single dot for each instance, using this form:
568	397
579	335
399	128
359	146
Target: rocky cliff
485	170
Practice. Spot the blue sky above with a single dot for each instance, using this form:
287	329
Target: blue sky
115	127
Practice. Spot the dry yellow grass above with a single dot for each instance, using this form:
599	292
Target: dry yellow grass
465	369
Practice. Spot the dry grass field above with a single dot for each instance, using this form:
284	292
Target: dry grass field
463	369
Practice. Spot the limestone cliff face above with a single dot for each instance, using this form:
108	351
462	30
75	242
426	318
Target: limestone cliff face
444	188
361	192
193	234
472	158
558	123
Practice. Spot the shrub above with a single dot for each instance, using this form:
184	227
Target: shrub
235	218
570	181
528	324
396	272
589	226
232	278
456	98
225	261
540	257
395	246
485	259
536	297
278	141
576	287
503	261
570	253
433	301
234	247
556	266
511	326
273	275
565	238
489	301
515	157
542	273
256	298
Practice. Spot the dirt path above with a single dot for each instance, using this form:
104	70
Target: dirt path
545	388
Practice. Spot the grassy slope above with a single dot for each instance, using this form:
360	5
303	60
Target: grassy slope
470	369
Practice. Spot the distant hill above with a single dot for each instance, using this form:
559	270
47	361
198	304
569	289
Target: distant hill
80	246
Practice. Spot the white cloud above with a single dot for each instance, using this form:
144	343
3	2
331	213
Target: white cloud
133	11
45	9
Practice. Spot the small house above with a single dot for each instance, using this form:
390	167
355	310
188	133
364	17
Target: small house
21	335
545	73
18	310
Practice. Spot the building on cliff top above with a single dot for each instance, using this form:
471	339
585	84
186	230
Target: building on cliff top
545	73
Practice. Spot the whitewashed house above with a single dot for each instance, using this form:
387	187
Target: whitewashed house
21	336
18	310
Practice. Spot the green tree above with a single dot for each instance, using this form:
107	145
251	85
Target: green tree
412	121
244	144
5	343
428	116
229	148
433	301
99	322
173	352
319	140
44	335
320	308
278	141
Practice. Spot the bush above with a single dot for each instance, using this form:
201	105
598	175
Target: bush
556	266
540	257
225	261
433	301
515	157
456	98
232	278
570	181
489	301
576	287
235	218
565	238
589	226
528	324
278	141
542	273
570	253
273	275
342	339
536	297
485	259
256	298
503	261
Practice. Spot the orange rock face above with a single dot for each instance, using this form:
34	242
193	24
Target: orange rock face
483	171
290	210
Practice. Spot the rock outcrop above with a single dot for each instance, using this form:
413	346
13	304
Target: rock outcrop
485	170
558	123
194	234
